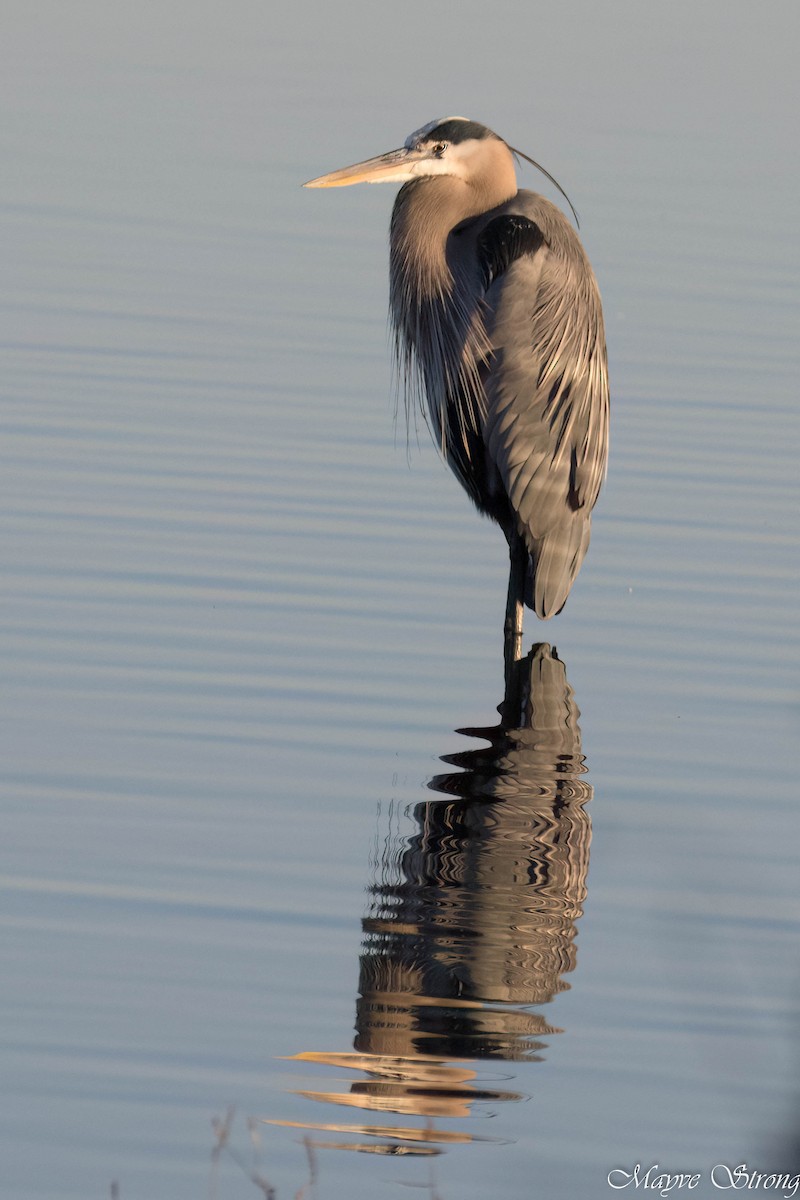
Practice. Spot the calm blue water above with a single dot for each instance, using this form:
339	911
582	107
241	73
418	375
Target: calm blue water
243	616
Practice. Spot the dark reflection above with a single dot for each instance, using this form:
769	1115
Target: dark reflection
472	920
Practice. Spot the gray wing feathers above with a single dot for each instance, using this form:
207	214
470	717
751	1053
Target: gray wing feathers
546	427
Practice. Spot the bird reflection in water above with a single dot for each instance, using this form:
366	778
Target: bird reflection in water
471	924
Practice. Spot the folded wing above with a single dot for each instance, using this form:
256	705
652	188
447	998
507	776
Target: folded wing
546	422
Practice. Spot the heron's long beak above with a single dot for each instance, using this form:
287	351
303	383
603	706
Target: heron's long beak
395	167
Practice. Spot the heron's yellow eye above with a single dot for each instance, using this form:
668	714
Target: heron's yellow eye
439	149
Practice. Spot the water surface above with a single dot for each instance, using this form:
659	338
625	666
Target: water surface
244	619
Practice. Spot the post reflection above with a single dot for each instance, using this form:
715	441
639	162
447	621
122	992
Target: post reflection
472	921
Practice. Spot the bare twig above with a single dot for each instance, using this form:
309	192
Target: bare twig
222	1132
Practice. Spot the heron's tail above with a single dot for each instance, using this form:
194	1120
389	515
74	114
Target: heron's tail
554	564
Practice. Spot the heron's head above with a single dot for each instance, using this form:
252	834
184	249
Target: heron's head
452	146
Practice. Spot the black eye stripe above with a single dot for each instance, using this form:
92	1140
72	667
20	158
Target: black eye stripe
456	130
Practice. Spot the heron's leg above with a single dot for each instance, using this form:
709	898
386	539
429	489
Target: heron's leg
515	604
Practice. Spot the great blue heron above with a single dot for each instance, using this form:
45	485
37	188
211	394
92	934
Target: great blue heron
497	319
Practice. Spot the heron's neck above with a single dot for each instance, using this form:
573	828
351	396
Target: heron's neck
425	213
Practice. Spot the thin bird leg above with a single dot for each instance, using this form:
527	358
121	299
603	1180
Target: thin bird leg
518	552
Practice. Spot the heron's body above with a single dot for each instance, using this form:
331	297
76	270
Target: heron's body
499	324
